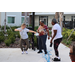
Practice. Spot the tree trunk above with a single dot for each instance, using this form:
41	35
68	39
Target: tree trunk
60	20
57	16
25	17
5	23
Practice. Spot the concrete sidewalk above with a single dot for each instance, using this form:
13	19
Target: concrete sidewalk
14	54
63	52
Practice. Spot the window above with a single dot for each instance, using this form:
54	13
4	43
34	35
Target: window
11	19
23	20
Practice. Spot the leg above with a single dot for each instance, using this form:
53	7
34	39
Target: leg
40	44
56	44
21	41
44	37
56	48
27	43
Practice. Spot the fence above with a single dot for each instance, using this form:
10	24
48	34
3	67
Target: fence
69	24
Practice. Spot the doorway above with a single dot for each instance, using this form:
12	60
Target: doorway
44	18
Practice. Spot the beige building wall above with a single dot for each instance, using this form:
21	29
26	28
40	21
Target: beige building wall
36	20
49	20
50	17
68	18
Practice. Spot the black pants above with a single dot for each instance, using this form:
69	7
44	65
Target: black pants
56	44
42	43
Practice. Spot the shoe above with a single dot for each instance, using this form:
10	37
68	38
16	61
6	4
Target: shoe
45	52
26	52
56	59
22	52
40	52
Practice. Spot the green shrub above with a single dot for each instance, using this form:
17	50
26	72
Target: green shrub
35	29
30	35
17	34
7	27
68	42
7	42
12	39
14	27
35	41
1	34
50	33
2	38
66	33
10	33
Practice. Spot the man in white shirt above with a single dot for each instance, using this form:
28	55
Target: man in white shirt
24	36
57	37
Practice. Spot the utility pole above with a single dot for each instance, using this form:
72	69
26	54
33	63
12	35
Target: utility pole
5	23
33	24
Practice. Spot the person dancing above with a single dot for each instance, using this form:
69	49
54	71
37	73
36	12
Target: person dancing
24	36
57	37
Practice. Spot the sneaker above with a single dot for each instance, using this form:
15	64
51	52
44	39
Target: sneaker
40	52
22	52
26	52
45	52
56	59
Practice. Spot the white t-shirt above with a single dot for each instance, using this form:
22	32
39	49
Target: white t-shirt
58	28
23	33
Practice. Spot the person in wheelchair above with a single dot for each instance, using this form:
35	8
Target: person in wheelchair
24	37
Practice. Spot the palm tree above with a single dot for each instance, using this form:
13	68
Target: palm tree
25	17
60	20
59	15
5	23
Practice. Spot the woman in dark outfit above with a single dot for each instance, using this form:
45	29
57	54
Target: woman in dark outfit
57	37
43	31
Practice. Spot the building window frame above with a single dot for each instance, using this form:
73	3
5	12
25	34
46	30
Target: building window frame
43	18
24	19
14	19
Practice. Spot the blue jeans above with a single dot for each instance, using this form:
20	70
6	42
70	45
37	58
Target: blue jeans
42	43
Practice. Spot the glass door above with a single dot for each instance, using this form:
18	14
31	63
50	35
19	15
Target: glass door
44	18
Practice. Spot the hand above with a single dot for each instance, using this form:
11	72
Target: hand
48	37
35	32
51	41
38	31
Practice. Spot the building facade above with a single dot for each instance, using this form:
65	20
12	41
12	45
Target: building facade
12	18
17	18
0	18
48	16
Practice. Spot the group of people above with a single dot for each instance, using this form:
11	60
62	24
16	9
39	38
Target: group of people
43	33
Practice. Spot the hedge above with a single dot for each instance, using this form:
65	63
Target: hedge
66	33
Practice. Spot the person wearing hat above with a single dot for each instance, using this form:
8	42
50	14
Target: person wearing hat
24	36
57	37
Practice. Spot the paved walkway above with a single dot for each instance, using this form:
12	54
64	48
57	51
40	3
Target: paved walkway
14	54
